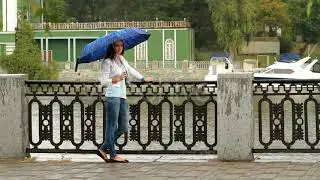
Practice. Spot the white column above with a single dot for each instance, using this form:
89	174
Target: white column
4	15
12	15
69	50
41	44
175	48
163	49
9	15
47	49
74	52
235	117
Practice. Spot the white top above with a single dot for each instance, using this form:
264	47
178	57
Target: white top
111	68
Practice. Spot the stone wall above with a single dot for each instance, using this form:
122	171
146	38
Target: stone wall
234	113
262	46
13	117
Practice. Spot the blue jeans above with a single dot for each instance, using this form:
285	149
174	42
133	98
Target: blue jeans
117	122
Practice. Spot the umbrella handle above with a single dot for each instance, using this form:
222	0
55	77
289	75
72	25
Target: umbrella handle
77	63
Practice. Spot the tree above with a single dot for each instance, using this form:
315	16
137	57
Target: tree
307	26
31	10
51	10
55	11
273	14
195	11
26	58
233	22
91	10
310	5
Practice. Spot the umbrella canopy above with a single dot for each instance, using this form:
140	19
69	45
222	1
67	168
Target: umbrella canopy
289	57
98	49
219	55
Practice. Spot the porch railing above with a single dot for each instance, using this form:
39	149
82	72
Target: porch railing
111	25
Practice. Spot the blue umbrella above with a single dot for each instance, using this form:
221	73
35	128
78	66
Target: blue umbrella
289	57
98	49
219	55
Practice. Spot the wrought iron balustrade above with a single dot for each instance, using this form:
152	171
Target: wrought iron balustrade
165	117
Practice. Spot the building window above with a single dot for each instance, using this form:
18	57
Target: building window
169	49
141	51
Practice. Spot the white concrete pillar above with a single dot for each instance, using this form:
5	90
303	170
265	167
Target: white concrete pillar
47	50
13	117
9	15
235	117
69	50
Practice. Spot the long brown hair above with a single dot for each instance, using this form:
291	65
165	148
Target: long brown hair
111	53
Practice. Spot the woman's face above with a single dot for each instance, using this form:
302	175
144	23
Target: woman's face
118	47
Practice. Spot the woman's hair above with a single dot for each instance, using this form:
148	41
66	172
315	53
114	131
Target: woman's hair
111	53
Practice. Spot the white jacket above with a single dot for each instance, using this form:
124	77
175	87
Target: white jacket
109	69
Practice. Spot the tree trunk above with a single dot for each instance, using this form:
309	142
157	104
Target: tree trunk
233	54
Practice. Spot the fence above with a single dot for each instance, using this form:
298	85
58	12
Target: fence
233	117
288	113
167	117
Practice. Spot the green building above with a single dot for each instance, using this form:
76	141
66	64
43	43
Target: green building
170	41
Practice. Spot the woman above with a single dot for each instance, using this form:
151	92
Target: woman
114	71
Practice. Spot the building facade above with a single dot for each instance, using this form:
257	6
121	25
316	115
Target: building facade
170	41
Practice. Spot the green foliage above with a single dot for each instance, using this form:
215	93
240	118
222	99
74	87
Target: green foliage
26	58
216	23
307	26
195	11
274	14
202	55
310	5
233	22
55	11
286	45
1	24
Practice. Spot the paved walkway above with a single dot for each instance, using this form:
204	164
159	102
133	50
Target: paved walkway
184	169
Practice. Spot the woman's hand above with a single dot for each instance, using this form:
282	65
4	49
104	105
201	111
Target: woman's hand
116	79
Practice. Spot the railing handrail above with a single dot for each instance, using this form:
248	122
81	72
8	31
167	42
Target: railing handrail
163	132
98	82
174	82
113	25
287	81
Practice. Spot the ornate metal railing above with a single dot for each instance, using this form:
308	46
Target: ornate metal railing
287	114
165	117
111	25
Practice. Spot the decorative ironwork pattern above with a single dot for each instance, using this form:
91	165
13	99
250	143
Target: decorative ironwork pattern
287	115
70	117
